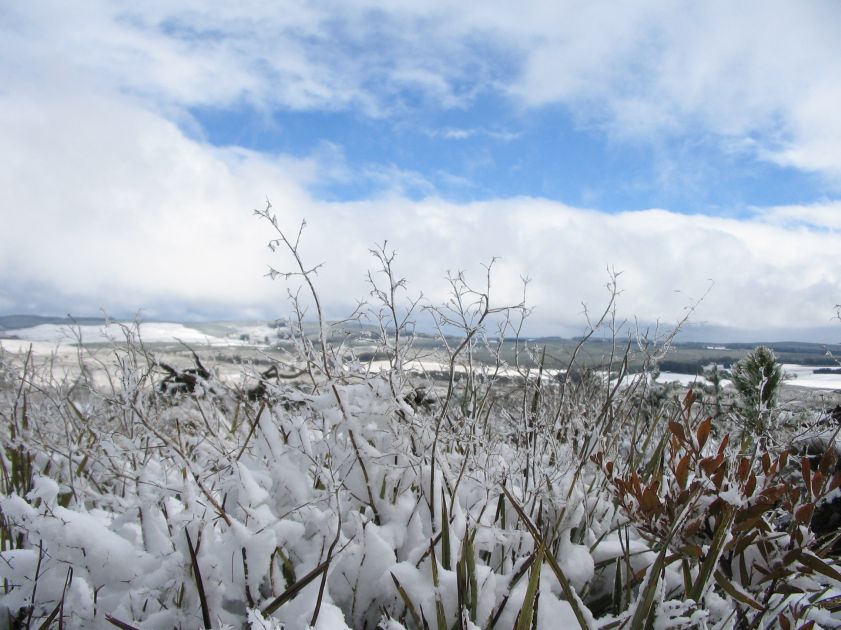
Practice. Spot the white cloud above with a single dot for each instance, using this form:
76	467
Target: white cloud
820	216
460	133
117	208
767	72
770	71
106	202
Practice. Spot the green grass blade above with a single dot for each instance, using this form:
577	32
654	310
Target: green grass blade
566	587
445	533
407	601
526	616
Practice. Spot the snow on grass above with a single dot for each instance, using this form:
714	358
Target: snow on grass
339	505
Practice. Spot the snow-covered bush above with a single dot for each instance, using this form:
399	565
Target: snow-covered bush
732	521
506	496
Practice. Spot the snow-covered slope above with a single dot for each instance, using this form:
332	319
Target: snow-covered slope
152	332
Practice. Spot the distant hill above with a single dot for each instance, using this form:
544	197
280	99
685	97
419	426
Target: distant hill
14	322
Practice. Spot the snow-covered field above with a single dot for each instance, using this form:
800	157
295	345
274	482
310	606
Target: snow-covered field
164	332
684	379
795	376
804	376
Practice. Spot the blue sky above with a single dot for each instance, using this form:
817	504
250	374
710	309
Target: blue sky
695	148
488	149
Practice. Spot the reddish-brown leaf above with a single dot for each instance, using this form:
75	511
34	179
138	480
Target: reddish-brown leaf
710	464
773	494
789	589
718	477
682	472
650	502
780	573
674	444
766	463
751	485
744	469
747	524
782	619
635	483
677	430
806	470
818	481
703	432
693	551
783	459
817	564
808	625
688	400
684	496
757	509
803	514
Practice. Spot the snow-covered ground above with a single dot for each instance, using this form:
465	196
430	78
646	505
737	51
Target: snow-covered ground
48	339
684	379
153	332
274	496
804	376
795	376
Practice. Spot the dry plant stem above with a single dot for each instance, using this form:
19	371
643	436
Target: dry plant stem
205	611
592	327
176	448
327	567
388	298
306	274
119	624
254	426
297	587
469	319
32	598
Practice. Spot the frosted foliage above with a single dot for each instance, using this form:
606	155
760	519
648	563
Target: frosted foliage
337	501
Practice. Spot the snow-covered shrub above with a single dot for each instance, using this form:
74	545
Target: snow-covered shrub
508	495
732	521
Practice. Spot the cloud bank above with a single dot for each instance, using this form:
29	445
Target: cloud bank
111	197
